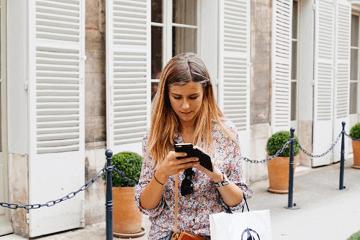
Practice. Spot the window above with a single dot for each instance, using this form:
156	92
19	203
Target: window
354	65
294	61
174	30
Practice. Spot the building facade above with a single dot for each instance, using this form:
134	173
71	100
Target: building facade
78	77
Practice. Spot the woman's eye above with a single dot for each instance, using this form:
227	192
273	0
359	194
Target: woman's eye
177	98
193	98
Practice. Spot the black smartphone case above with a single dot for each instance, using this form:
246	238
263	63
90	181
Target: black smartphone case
204	159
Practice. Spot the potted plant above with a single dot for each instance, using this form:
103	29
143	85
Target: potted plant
278	167
127	218
355	133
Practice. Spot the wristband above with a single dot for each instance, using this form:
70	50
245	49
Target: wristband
224	182
158	180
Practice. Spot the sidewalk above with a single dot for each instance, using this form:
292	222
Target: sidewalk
325	211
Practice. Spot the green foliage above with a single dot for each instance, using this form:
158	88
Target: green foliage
355	131
130	164
355	236
277	141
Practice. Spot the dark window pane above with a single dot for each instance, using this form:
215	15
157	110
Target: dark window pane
184	40
353	97
184	12
154	88
354	64
156	51
354	30
293	100
295	19
157	11
294	60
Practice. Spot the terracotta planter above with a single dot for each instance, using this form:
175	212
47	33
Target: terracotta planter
127	218
356	151
278	170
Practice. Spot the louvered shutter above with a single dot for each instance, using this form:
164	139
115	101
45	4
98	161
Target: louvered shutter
234	65
281	65
342	70
323	82
56	100
128	73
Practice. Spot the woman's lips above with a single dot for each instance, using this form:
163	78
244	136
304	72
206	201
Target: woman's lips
186	113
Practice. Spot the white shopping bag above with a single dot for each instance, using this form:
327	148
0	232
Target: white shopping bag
253	225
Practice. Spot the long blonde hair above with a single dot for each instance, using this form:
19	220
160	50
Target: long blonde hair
180	70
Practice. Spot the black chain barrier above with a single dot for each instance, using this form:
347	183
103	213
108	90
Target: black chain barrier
70	195
269	158
109	169
323	154
354	139
112	168
124	176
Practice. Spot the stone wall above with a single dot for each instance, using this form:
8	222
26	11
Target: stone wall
95	108
19	192
260	110
95	74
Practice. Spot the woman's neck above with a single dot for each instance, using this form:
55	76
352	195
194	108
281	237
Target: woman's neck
186	131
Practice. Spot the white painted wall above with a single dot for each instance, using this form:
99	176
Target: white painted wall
17	76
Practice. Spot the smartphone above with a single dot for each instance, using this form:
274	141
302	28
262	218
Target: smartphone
204	159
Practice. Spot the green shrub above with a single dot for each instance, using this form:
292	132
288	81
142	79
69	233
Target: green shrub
355	131
355	236
130	164
277	141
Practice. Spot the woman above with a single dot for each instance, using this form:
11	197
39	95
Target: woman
185	111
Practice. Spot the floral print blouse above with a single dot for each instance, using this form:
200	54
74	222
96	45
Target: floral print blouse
194	209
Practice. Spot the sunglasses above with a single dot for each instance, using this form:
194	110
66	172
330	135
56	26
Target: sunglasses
187	186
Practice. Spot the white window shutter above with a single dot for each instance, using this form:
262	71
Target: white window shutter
323	82
128	81
342	70
234	66
281	65
56	102
234	61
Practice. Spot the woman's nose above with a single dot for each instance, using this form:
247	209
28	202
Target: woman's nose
185	105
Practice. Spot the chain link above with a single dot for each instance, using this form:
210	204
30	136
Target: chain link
323	154
54	202
269	158
354	139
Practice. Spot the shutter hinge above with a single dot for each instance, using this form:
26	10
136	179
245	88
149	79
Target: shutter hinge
26	86
84	58
314	6
27	218
313	82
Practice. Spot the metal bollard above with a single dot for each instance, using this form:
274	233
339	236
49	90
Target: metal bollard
342	160
291	172
109	198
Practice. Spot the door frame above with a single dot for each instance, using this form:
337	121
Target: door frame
5	223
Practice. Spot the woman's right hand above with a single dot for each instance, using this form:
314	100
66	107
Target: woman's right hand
171	165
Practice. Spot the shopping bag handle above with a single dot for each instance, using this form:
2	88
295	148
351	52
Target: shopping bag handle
247	206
